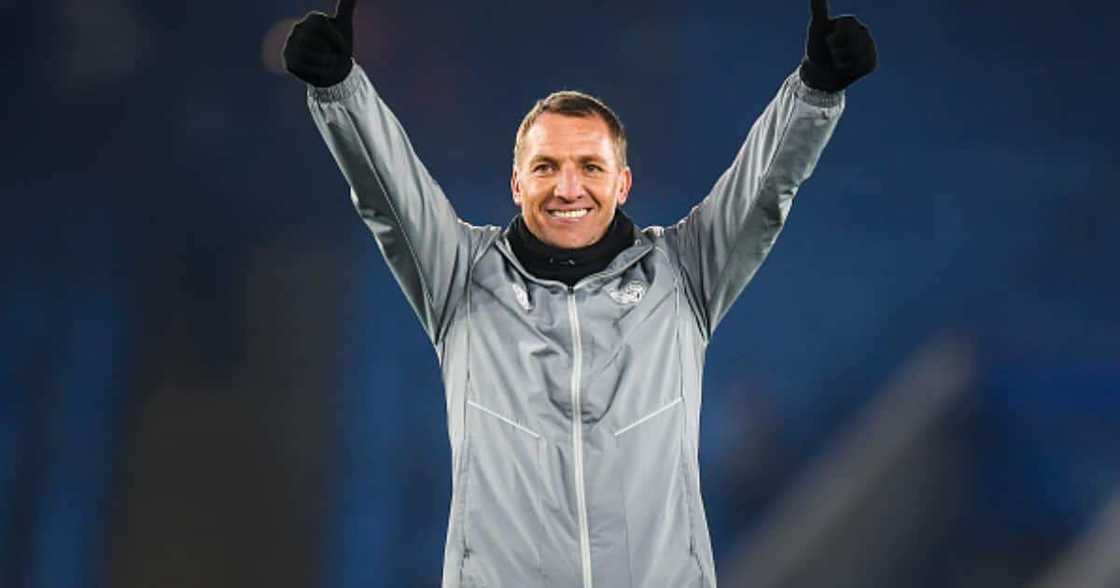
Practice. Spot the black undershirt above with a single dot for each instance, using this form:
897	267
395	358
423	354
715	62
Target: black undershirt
569	265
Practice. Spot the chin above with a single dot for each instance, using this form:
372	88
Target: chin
574	243
583	240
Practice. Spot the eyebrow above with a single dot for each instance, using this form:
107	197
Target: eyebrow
580	159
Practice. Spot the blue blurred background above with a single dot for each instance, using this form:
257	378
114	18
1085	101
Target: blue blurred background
210	378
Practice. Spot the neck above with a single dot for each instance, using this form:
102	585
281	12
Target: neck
569	265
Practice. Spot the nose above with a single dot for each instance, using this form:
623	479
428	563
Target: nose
569	185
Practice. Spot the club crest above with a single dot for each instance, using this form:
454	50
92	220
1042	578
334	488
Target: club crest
631	293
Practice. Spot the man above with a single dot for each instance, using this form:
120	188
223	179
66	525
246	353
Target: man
572	342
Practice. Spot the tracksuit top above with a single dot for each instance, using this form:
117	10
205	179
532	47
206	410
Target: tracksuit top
573	412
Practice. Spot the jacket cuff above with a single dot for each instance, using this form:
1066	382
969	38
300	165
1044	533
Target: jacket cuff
341	90
813	96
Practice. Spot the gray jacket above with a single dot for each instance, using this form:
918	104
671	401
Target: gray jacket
611	498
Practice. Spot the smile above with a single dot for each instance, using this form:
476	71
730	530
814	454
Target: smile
580	213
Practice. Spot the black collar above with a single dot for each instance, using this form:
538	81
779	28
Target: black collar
569	265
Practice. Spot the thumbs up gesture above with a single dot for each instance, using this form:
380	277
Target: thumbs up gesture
838	52
319	47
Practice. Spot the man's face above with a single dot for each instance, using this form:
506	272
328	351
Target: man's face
568	180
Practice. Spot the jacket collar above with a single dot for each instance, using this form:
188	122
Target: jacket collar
629	256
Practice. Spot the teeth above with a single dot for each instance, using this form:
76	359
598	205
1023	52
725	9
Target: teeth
569	213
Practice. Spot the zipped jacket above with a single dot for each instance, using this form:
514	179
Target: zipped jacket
573	412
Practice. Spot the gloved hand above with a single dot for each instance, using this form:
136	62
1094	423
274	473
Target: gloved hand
838	52
319	47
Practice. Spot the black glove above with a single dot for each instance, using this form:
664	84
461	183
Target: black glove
319	47
838	52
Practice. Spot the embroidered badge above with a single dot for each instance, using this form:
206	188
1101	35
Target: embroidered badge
521	295
631	293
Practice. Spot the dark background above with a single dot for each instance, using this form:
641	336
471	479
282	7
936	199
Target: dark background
210	378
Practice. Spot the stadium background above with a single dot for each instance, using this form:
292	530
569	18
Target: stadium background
209	377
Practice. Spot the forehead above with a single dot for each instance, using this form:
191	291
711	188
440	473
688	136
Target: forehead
558	133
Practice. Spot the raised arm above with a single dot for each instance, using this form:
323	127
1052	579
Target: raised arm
426	245
722	242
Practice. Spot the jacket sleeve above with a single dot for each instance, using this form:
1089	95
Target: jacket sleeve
428	248
724	239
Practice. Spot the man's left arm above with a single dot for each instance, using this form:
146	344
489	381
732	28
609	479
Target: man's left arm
722	242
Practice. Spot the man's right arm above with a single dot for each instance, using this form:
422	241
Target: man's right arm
428	248
426	245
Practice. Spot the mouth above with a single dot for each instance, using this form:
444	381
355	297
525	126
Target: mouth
570	214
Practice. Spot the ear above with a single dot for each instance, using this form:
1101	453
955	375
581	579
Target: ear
515	187
625	180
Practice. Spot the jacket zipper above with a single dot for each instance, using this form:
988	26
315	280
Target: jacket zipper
577	441
577	412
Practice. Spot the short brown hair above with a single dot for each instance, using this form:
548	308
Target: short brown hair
574	103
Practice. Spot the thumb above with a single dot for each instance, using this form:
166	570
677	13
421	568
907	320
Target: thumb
344	11
818	8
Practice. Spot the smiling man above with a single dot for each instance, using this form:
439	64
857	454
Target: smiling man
572	342
569	178
569	169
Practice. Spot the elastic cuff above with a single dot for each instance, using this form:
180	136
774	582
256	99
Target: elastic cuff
811	95
341	90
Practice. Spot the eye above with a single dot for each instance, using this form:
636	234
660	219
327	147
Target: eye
592	168
541	167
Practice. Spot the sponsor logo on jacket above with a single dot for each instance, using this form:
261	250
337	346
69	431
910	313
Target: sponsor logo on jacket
521	296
